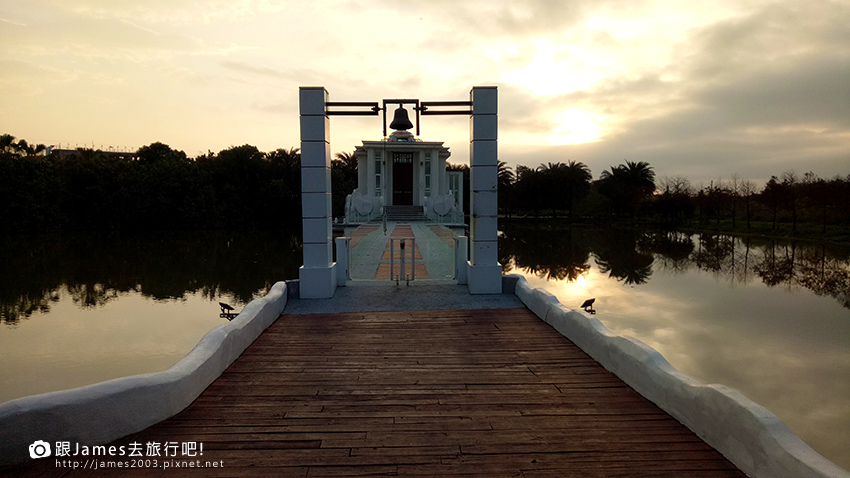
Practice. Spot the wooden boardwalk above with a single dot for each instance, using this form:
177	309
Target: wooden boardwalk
433	393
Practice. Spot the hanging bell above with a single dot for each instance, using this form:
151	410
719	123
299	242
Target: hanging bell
400	120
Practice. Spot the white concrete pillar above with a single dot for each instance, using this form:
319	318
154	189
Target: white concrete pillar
485	272
317	278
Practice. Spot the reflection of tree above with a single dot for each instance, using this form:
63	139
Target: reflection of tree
91	295
629	256
775	267
554	254
617	254
25	305
823	274
96	268
714	252
672	249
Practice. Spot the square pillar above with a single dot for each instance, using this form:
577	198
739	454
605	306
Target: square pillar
484	271
317	278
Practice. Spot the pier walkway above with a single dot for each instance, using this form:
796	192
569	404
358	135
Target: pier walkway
419	380
486	392
490	392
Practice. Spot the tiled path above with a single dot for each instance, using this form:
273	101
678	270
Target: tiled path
433	252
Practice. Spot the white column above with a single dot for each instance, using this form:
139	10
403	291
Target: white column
362	173
369	190
437	186
419	166
485	272
317	278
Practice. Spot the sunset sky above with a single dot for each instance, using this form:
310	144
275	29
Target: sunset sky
699	89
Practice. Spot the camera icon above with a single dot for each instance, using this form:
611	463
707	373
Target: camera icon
39	449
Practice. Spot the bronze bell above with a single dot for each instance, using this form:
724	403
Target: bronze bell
400	120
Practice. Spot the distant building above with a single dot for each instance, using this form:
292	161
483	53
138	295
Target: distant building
67	153
405	173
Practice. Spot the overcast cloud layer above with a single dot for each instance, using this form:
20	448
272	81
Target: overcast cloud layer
748	87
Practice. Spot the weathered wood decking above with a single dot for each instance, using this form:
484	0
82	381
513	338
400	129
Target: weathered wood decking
434	393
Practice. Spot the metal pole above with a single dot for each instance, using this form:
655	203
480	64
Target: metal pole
392	258
402	273
413	258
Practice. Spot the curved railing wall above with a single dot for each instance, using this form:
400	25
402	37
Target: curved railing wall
130	404
749	435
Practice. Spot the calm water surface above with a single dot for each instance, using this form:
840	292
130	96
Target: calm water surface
771	319
87	308
767	318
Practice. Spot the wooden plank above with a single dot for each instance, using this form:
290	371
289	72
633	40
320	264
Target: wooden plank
431	393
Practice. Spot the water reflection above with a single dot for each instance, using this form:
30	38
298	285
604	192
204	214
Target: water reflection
557	257
766	317
95	269
87	308
631	256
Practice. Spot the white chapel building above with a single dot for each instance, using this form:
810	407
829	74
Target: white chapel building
404	176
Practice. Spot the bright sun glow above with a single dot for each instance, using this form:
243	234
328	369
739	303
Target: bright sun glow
576	126
581	281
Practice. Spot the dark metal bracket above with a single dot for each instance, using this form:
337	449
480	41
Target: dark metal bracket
424	108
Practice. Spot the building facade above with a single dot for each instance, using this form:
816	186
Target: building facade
405	171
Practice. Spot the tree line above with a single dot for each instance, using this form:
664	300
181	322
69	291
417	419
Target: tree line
158	187
631	190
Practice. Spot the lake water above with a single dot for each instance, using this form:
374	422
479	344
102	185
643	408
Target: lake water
92	307
770	319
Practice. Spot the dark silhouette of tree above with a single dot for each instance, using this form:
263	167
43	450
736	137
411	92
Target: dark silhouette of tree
564	183
627	185
792	195
285	184
771	194
343	180
161	188
7	143
506	187
748	190
530	188
675	204
158	152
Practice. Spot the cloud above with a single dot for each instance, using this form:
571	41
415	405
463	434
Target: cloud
119	39
757	92
676	85
171	12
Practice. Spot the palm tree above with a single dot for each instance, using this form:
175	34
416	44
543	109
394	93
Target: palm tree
346	162
576	182
565	183
529	188
7	143
628	184
506	186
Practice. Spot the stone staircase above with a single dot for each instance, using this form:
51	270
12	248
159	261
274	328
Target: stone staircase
404	213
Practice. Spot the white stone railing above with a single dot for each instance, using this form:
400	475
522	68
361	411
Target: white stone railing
104	412
442	209
746	433
360	208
